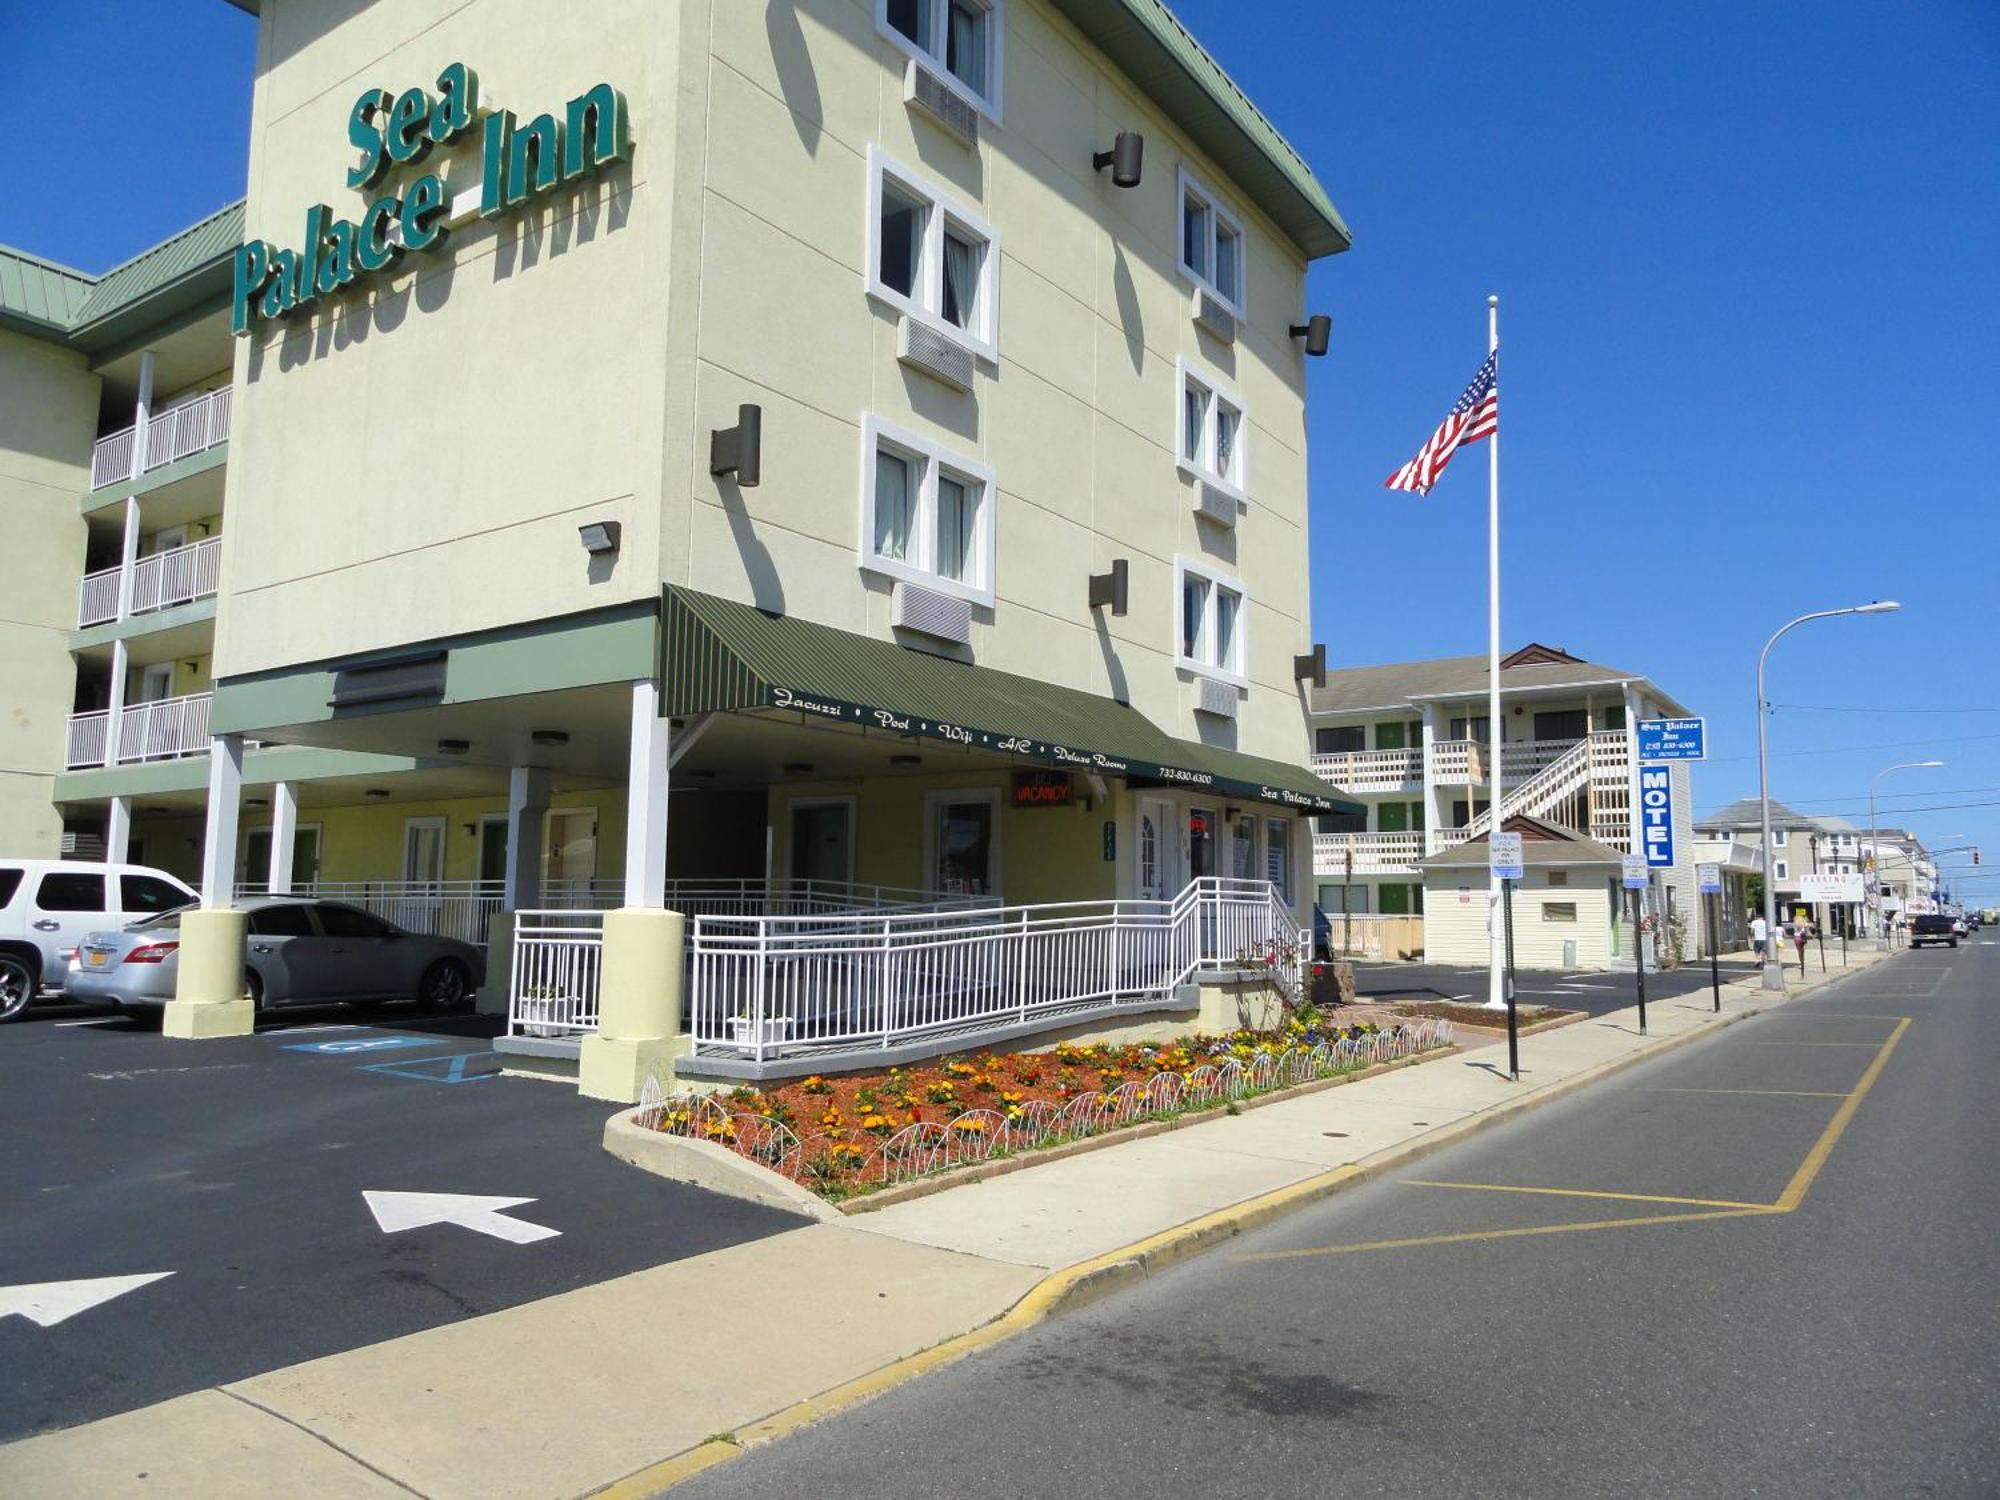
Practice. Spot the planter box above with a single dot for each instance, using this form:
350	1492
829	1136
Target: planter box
549	1015
771	1032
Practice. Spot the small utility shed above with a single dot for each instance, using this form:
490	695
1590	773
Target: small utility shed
1565	906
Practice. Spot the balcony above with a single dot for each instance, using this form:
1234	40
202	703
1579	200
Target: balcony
1371	770
179	575
1373	853
179	432
165	729
1455	762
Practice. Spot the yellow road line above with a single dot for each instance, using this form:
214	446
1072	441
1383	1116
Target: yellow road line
1494	1187
1774	1093
1812	1044
1507	1234
1795	1190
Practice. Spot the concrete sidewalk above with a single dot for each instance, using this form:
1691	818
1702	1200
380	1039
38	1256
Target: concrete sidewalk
649	1377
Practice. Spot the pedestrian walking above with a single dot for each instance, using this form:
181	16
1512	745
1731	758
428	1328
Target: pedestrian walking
1801	931
1760	934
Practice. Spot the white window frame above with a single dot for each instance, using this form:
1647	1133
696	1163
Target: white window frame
1188	185
988	102
1235	482
934	803
912	446
1781	869
1780	837
926	301
1235	671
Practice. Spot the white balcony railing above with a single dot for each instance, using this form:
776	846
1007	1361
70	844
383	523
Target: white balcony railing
1455	762
1372	853
176	433
179	575
160	730
1371	770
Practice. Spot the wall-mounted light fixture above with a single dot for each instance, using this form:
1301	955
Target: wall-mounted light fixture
377	794
1111	588
549	736
453	747
1316	331
470	829
904	762
1311	668
256	801
739	450
599	536
1125	158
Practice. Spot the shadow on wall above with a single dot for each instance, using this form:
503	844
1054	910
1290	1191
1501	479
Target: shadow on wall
537	232
796	79
767	591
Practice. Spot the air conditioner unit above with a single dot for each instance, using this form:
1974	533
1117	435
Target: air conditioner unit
1218	698
1212	315
1216	503
943	617
925	90
938	355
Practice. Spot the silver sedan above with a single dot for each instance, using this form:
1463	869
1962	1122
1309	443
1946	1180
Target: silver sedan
297	953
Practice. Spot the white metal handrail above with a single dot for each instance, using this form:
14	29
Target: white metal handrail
558	959
178	575
164	728
187	429
86	740
759	987
111	458
97	597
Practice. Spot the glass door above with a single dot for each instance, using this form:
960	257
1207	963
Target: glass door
964	841
1201	842
822	844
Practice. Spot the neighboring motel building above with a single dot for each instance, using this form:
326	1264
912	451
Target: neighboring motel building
1411	742
686	445
1802	844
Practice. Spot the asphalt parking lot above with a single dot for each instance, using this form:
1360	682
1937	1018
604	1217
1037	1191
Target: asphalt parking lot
1594	990
234	1171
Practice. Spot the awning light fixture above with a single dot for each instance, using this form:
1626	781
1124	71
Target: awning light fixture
739	450
1317	331
1125	158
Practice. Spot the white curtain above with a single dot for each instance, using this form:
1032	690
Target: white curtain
894	506
965	48
961	281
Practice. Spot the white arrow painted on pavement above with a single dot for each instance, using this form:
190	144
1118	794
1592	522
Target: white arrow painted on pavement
399	1211
50	1302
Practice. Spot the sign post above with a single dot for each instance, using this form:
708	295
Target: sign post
1637	878
1503	856
1708	879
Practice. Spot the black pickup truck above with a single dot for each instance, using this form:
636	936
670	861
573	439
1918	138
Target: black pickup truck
1932	930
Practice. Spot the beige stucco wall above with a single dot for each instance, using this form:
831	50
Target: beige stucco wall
413	461
413	458
48	415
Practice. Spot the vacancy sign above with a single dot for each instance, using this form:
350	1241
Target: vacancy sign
1673	739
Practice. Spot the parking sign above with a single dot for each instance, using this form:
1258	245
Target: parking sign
1709	879
1503	855
1637	878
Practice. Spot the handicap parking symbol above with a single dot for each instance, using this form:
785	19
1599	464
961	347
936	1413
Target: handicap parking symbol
345	1045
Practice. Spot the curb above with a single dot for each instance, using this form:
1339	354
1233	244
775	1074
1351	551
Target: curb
1077	1286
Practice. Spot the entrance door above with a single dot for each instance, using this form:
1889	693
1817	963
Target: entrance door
822	849
1201	842
965	843
1157	851
571	862
493	850
156	682
423	851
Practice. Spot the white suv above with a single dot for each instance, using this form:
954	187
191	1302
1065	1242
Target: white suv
48	905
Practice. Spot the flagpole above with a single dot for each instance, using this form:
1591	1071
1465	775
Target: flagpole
1496	998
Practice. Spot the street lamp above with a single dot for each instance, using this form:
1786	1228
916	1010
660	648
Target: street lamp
1774	973
1875	845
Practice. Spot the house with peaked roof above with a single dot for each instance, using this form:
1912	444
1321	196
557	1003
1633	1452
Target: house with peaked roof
1411	742
1803	844
1567	904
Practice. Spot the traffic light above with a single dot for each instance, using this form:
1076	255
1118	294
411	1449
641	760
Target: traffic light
1975	856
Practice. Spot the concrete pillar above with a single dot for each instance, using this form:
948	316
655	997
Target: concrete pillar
118	830
284	836
1433	813
646	800
527	805
209	999
114	723
128	556
142	420
638	1032
494	992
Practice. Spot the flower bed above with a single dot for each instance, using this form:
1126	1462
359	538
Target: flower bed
855	1133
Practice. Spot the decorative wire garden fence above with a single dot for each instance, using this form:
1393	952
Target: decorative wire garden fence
982	1133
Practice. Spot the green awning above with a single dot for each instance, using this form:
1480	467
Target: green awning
718	655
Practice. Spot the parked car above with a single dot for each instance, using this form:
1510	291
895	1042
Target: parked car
46	907
1933	929
298	952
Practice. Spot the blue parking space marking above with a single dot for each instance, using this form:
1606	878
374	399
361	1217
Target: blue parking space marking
349	1044
451	1069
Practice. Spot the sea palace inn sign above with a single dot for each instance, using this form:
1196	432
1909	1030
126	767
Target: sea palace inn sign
517	162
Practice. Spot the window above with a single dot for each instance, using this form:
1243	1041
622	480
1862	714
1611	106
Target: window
10	882
1780	837
141	894
1781	869
345	922
926	514
1563	724
1243	849
960	39
1338	900
1480	729
1338	741
1212	626
1614	716
1722	835
289	920
1341	822
1558	911
1558	877
932	258
964	838
70	892
1211	244
1211	429
1278	854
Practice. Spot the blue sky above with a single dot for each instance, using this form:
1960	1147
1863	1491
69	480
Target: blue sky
1749	257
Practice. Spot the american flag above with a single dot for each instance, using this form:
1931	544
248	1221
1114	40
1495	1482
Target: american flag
1473	416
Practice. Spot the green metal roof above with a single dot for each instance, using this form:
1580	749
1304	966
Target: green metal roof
188	271
1161	56
720	655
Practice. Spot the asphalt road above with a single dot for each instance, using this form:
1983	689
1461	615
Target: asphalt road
239	1166
1415	1339
1592	990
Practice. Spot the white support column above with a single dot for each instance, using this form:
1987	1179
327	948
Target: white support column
209	990
646	800
1636	829
225	799
128	556
114	722
527	805
118	830
142	421
284	836
1433	814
